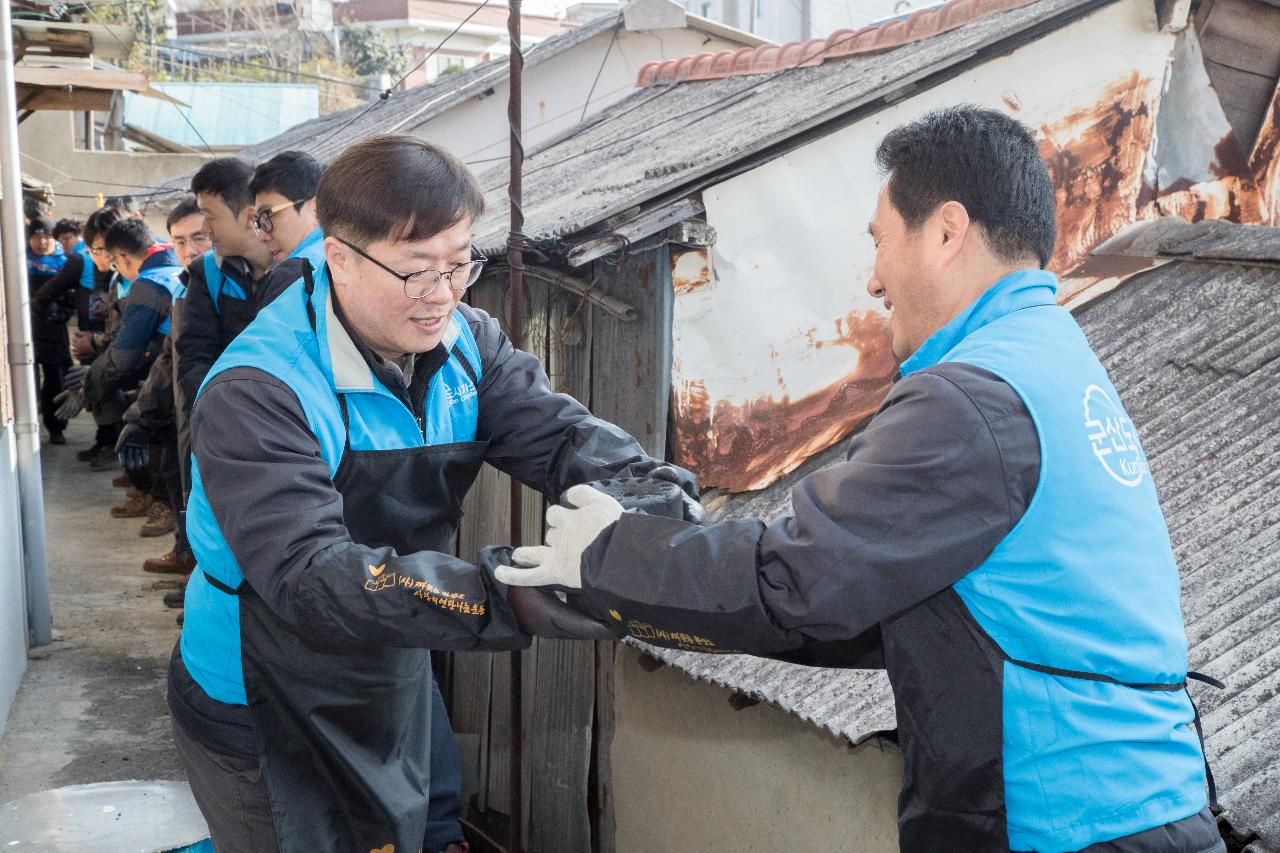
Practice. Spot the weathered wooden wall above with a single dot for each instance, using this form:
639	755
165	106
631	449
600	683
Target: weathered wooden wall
621	370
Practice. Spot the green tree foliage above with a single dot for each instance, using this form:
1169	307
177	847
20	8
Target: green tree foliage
367	53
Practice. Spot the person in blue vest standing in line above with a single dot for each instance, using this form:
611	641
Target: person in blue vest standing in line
993	540
223	284
45	259
284	190
334	442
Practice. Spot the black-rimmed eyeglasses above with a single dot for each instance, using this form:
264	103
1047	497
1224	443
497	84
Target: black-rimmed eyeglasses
421	284
263	221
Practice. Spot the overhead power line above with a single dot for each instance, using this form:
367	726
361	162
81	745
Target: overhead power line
387	92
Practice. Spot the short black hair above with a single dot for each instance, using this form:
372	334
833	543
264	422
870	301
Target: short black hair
38	225
227	178
184	208
395	187
66	226
130	236
100	222
984	159
293	174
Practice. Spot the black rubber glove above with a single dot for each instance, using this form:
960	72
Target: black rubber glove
133	446
693	511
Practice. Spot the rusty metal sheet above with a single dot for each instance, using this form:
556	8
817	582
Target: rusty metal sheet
778	351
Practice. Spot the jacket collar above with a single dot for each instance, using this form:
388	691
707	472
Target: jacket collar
302	249
1018	290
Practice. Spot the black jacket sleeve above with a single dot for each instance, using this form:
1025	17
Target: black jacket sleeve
547	441
199	341
271	493
939	476
136	344
62	284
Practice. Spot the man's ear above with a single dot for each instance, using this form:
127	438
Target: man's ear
340	259
953	221
309	212
247	213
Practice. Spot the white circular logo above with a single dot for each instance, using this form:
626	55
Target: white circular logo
1114	440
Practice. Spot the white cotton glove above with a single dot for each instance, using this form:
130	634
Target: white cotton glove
570	531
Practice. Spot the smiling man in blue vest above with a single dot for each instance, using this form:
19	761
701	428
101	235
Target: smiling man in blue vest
993	539
334	442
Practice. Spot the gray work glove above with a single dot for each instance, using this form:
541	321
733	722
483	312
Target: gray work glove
132	446
73	379
69	404
570	531
693	511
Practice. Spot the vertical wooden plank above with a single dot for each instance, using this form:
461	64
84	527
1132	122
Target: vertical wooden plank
630	386
631	361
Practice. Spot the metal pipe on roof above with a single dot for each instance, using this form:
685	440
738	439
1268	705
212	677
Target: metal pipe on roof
515	293
21	355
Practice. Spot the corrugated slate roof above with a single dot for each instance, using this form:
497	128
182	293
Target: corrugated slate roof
663	140
1192	348
225	114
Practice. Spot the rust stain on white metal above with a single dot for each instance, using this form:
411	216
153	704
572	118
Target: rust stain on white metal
690	270
746	446
1095	157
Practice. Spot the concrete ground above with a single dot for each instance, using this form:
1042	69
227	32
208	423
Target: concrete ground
91	707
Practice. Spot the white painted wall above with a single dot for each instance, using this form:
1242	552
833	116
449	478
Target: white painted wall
556	90
690	773
46	142
13	608
779	20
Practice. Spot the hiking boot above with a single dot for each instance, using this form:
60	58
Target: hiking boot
172	563
122	481
135	507
175	597
161	519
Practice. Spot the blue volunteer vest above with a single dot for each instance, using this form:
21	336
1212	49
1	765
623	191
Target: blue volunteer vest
168	276
219	283
86	274
317	366
1085	582
311	249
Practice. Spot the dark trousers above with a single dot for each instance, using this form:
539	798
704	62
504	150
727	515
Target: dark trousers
232	793
50	387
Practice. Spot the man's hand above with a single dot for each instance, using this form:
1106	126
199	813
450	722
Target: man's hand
570	531
73	378
693	511
69	404
82	345
132	446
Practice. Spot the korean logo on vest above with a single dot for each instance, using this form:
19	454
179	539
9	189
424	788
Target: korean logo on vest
460	394
1114	440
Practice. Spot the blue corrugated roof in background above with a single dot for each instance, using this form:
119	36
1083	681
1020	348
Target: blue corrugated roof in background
225	114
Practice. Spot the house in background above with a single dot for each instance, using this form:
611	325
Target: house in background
567	78
800	20
219	117
420	25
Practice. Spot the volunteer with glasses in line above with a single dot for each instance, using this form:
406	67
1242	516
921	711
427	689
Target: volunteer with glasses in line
334	443
284	190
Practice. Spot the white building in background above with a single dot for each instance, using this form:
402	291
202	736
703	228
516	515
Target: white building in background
798	20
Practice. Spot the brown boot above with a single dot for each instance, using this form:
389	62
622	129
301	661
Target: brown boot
135	507
172	563
161	519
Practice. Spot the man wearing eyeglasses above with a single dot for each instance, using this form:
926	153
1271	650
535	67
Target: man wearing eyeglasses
284	190
334	443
